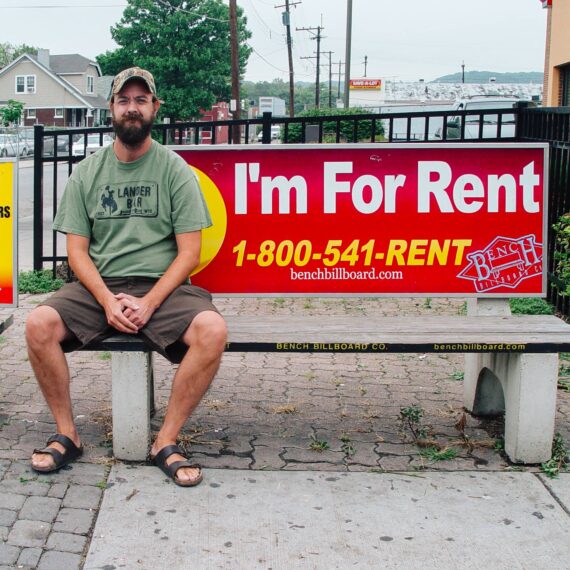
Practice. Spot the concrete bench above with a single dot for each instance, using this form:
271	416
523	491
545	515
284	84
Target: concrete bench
511	364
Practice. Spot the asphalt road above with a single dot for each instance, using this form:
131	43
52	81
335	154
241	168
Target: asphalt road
26	210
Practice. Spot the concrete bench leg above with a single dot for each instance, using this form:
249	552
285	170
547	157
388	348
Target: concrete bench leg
522	385
132	403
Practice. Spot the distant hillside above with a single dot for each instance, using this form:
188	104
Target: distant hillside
484	76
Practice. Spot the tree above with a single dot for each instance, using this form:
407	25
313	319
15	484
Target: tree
185	45
11	113
9	52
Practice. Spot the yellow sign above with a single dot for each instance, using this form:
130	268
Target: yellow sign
8	244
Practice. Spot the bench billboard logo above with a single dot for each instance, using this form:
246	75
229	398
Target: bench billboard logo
382	219
505	262
8	264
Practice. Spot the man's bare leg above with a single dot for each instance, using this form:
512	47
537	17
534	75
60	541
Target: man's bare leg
206	337
45	330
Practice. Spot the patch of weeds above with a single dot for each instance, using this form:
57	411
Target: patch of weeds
564	384
347	448
2	339
434	454
279	301
530	306
105	355
427	303
310	375
363	389
559	460
308	304
23	480
412	416
38	282
462	309
458	375
499	444
101	484
317	444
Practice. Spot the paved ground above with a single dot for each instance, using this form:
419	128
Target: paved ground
265	412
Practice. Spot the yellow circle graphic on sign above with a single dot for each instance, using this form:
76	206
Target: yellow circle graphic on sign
212	237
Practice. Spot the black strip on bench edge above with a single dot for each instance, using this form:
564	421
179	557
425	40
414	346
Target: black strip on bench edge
378	347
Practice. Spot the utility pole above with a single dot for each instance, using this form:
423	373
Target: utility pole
463	72
287	24
348	49
330	77
339	63
317	37
236	131
365	64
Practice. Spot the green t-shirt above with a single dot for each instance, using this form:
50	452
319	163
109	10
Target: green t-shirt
131	211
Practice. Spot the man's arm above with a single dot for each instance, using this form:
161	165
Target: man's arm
85	270
184	263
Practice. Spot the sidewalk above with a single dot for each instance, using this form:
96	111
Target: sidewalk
367	499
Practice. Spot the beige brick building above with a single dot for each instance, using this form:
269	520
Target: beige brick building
557	56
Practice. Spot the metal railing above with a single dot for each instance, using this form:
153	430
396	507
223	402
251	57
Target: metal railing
490	125
552	125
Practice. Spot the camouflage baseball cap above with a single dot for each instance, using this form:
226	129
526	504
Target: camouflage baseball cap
133	73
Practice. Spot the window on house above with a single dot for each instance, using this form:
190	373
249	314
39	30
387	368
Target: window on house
30	83
90	84
25	83
58	113
31	113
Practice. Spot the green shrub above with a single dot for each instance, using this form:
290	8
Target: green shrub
364	127
561	272
530	306
38	282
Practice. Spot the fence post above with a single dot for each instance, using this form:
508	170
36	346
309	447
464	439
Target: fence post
266	128
39	196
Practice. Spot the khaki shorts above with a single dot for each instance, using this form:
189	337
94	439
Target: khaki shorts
86	319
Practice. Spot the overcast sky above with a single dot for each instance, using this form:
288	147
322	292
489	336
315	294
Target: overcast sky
403	39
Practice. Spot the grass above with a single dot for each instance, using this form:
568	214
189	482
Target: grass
530	306
347	448
105	355
286	409
559	460
434	454
458	375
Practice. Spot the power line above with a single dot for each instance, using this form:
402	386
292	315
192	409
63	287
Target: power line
59	6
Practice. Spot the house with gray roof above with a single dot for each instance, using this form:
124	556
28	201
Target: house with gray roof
56	90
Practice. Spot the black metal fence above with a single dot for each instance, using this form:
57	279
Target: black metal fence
68	146
552	125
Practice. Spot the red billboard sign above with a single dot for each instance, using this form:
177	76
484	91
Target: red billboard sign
429	219
365	84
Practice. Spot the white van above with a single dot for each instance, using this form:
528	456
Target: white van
490	121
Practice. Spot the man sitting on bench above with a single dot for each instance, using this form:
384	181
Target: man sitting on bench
133	214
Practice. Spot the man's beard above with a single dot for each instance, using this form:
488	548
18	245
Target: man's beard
132	135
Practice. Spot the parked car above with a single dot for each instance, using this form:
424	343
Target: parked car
93	143
62	145
11	145
275	133
490	121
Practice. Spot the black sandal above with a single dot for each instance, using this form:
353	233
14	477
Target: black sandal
160	461
71	453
